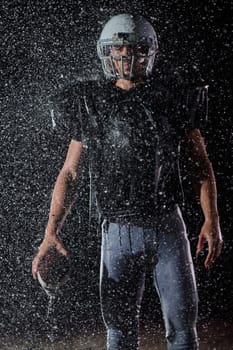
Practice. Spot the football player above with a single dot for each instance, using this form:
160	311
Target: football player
132	126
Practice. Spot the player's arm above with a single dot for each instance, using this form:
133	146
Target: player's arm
205	184
62	199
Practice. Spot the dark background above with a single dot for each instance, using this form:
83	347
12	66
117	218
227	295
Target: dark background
44	46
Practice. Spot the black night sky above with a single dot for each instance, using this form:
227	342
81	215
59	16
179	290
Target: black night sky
46	45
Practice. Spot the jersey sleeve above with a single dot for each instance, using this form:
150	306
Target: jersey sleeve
65	114
196	106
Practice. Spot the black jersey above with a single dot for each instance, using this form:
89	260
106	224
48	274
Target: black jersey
132	138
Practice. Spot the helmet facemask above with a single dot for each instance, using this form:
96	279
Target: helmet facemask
140	60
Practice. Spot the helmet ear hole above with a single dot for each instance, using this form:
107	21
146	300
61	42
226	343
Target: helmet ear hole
130	31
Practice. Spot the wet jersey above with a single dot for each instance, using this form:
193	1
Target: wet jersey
132	140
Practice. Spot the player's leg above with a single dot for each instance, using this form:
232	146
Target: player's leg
121	284
175	282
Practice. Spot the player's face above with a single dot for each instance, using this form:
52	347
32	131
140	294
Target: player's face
122	58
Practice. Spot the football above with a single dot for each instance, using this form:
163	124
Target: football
53	271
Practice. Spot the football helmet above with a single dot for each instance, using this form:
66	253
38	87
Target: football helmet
137	35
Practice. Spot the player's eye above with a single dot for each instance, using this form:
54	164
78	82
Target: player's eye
116	49
111	50
121	50
141	50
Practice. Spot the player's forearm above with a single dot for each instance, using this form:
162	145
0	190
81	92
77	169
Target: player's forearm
208	193
203	174
62	200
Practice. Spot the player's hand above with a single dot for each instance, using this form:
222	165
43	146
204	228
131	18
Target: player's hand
210	233
49	241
